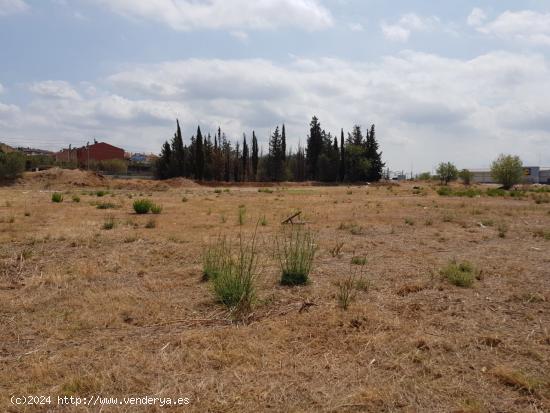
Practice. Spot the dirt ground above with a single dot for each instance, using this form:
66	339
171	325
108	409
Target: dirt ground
87	311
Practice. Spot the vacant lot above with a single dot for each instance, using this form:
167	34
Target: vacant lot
106	302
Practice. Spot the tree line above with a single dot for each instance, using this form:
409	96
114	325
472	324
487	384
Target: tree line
326	157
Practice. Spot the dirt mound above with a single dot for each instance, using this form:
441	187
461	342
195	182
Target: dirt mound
58	176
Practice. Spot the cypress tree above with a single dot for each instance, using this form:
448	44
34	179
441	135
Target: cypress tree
178	153
314	147
374	157
163	162
199	155
255	158
245	159
283	143
342	157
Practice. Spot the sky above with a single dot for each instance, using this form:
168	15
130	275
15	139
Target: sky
459	81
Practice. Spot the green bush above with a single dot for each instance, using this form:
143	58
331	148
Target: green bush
445	191
106	205
507	170
296	252
76	198
142	206
466	176
235	284
57	197
12	165
460	274
447	172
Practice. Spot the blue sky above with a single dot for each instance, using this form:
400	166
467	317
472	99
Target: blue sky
457	80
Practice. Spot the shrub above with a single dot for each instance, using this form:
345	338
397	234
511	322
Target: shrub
12	165
424	176
444	191
234	285
265	190
216	256
156	209
296	252
466	176
142	206
507	170
461	275
263	221
106	205
101	193
184	199
57	197
447	172
76	198
502	230
217	191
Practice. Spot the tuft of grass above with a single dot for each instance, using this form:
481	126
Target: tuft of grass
76	198
151	223
296	251
460	274
346	292
409	221
215	258
265	190
101	193
336	250
156	209
242	214
57	197
109	223
106	205
142	206
235	284
263	221
502	230
217	191
359	260
27	213
517	379
184	199
541	233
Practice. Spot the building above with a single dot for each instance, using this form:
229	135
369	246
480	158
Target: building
98	151
532	175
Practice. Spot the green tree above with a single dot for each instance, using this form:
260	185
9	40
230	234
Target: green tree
283	143
12	165
314	147
162	166
255	154
507	170
276	161
199	155
178	152
466	176
447	172
342	169
374	157
245	157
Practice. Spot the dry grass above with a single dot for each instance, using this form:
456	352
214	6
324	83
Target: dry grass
124	312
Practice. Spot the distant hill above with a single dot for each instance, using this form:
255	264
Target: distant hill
6	148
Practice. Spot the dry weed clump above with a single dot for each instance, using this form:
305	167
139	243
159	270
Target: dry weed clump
296	251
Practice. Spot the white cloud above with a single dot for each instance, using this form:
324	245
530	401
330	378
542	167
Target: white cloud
54	89
526	26
356	27
239	35
476	17
12	7
225	14
422	104
408	23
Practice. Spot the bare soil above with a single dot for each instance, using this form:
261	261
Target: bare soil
123	312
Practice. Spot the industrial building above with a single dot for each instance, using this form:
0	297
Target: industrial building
98	151
532	175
